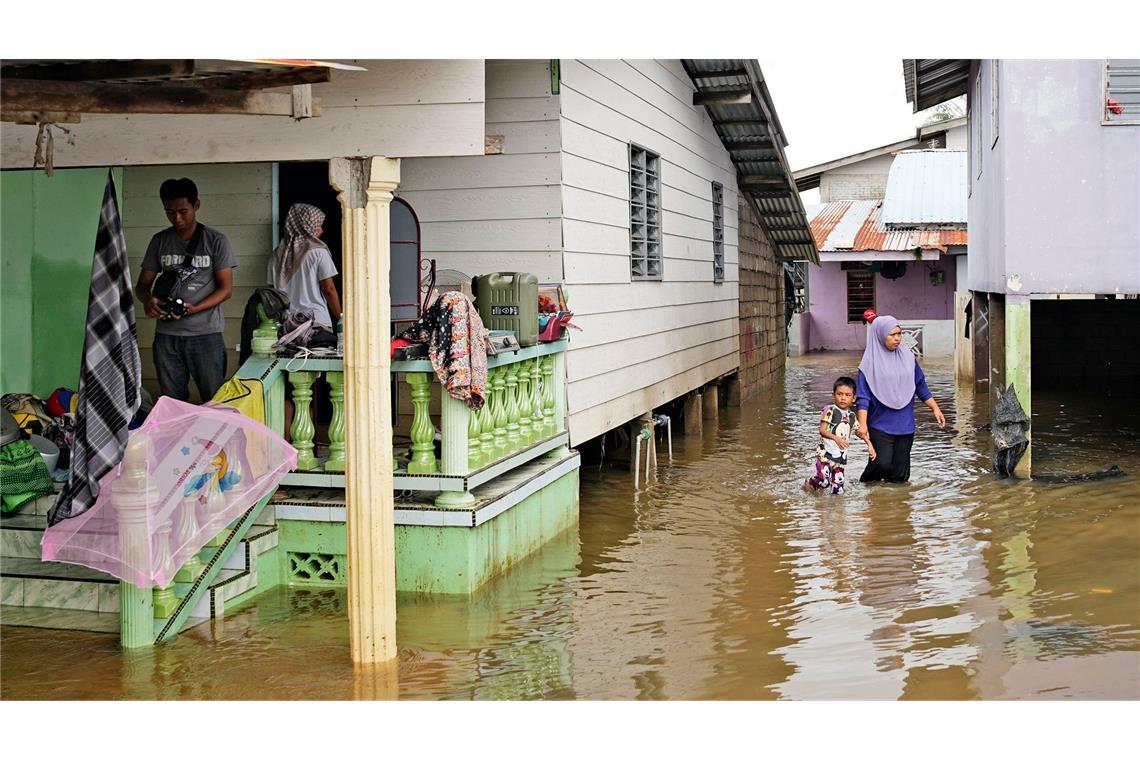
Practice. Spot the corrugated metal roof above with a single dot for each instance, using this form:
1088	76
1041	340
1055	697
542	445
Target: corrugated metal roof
857	226
930	81
749	128
926	187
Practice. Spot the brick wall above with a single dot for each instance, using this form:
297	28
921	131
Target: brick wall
852	187
763	337
1088	344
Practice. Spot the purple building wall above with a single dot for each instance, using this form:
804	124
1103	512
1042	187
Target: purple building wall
911	297
1055	208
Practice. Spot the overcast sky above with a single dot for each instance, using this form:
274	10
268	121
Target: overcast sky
831	107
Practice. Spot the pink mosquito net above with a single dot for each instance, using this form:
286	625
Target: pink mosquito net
187	473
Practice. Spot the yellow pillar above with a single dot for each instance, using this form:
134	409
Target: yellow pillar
365	188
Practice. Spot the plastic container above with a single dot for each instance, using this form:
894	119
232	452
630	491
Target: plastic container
509	301
48	450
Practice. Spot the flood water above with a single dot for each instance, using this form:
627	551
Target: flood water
724	580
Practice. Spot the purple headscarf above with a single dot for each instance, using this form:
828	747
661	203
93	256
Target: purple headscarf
889	373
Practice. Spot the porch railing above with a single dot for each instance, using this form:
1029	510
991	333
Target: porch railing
523	417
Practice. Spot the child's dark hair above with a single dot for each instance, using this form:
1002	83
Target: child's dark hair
173	189
843	382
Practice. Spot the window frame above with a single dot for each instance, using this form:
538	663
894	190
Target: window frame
979	135
862	270
995	93
649	240
1104	96
718	232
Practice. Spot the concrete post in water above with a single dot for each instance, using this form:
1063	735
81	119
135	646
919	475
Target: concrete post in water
133	492
365	192
732	389
1018	367
710	397
692	414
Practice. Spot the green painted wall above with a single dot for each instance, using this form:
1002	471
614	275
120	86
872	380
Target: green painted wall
15	281
452	560
48	241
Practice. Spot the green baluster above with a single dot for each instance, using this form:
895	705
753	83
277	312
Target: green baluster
164	599
302	431
423	432
548	396
536	426
184	533
474	442
526	407
500	430
487	420
512	408
335	462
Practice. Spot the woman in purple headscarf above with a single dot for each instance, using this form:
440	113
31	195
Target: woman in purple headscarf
888	381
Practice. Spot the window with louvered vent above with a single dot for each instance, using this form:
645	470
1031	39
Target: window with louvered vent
1121	91
644	214
718	231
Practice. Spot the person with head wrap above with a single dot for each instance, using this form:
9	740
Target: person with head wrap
889	378
303	267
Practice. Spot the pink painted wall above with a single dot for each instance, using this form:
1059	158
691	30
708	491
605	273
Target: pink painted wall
909	297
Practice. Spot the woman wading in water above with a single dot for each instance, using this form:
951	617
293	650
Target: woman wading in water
885	388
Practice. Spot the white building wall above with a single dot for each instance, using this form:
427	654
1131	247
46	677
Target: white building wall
643	343
861	181
493	213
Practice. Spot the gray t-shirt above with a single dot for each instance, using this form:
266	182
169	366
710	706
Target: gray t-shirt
168	251
304	287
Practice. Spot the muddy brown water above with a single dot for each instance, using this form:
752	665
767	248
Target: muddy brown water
723	580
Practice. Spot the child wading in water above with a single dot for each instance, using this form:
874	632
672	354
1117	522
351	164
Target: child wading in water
836	424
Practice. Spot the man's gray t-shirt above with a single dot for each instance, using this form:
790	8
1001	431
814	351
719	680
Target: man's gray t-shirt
168	251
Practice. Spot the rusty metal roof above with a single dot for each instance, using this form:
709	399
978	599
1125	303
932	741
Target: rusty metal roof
738	102
856	226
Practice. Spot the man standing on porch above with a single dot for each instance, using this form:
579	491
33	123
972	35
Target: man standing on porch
188	341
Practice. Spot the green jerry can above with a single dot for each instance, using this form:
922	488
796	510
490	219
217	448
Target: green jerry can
508	301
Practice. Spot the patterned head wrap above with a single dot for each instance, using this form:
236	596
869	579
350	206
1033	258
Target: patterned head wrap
300	237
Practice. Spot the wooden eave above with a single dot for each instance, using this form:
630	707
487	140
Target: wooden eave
60	92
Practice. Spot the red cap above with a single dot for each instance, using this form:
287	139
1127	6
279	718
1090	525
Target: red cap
869	315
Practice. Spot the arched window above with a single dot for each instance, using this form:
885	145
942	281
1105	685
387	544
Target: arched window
405	252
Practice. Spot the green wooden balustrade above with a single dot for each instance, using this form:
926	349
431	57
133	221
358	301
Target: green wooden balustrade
521	410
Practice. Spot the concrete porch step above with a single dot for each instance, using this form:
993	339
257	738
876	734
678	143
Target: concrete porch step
71	620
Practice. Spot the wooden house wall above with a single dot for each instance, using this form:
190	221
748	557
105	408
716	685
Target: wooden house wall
643	343
500	212
397	108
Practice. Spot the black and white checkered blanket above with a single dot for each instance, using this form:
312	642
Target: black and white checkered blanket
112	371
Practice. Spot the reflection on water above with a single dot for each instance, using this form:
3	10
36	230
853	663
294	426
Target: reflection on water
723	580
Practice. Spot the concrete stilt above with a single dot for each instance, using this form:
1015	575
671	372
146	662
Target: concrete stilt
710	397
732	389
694	425
1018	367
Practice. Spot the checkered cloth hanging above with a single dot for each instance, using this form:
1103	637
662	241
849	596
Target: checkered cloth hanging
112	371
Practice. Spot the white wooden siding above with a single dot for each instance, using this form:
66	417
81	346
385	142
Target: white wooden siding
502	212
398	108
237	200
643	343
